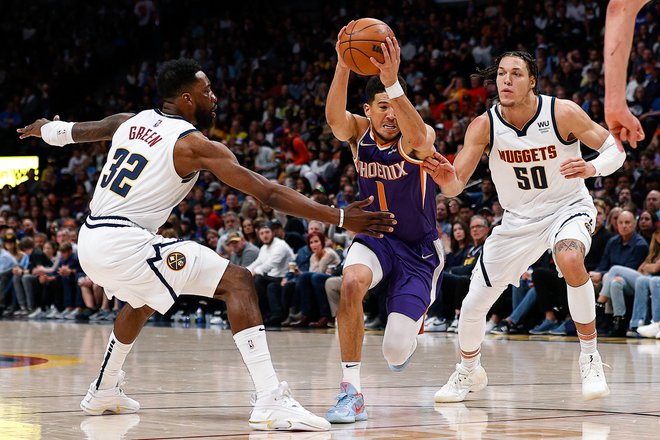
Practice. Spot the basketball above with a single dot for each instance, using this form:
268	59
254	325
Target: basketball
361	40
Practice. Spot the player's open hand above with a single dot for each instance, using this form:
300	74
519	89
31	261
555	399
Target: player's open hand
440	169
34	129
576	167
389	68
340	59
365	222
624	126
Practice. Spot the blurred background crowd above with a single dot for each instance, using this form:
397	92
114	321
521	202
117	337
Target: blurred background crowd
271	64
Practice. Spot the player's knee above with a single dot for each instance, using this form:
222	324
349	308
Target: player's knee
474	308
353	288
571	265
396	350
236	280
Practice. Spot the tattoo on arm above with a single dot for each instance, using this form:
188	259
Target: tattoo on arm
570	245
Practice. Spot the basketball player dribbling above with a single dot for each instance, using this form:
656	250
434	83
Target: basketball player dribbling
153	163
388	146
533	142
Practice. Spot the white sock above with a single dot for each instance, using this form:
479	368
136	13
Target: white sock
472	362
253	346
588	343
115	355
351	374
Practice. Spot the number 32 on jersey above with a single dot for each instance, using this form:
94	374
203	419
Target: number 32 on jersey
126	166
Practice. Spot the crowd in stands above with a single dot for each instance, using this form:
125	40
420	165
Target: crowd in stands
271	72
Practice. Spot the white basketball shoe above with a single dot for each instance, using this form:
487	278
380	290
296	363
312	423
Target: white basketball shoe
279	411
594	385
461	383
110	401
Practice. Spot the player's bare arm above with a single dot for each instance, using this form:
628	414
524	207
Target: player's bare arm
573	122
343	123
91	131
416	137
619	30
195	152
452	178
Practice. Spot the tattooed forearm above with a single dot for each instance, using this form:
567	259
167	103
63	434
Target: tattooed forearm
570	245
98	130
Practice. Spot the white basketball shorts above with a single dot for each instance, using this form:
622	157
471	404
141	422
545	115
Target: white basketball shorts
519	241
142	268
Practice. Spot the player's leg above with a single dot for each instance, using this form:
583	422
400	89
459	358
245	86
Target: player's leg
506	254
571	244
362	270
469	375
413	285
400	340
274	407
104	394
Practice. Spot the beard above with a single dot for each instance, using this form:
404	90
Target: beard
203	118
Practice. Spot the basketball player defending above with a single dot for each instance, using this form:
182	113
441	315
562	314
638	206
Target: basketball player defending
388	146
533	142
153	163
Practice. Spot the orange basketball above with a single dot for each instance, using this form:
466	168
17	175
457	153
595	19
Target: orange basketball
361	40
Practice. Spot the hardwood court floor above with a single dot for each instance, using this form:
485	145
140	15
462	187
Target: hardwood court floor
192	384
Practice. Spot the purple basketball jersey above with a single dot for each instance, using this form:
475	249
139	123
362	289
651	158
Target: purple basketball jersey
399	185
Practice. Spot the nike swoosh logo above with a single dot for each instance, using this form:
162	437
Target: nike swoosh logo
426	257
358	409
262	329
351	366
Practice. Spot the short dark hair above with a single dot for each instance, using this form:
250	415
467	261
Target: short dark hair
490	72
374	86
175	75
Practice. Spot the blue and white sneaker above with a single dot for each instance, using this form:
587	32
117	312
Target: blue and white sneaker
349	407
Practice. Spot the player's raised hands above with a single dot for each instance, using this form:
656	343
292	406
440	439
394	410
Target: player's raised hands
340	58
365	222
440	169
389	68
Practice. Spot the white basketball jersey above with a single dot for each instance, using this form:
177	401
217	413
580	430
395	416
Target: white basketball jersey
138	181
525	163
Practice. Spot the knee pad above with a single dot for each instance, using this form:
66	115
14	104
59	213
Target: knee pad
400	338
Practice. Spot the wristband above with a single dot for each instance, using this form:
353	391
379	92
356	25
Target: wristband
341	218
394	91
57	133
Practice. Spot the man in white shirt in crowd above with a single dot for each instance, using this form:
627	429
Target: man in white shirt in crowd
268	269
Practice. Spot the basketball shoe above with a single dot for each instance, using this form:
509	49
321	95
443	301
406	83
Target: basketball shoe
594	385
461	383
349	407
279	411
110	401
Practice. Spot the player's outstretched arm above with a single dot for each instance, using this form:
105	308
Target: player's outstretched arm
573	121
196	152
619	30
452	178
61	133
